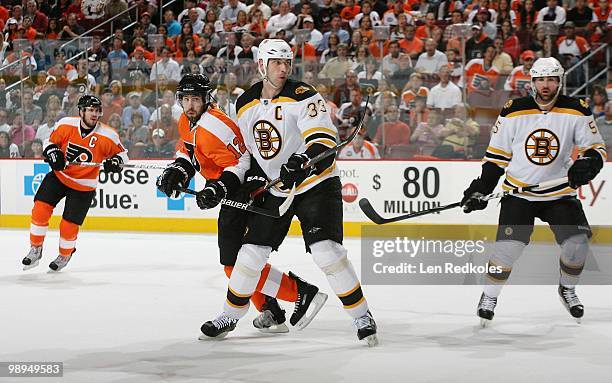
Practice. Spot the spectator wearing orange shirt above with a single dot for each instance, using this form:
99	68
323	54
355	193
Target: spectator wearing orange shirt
413	90
393	131
4	13
39	19
351	10
526	15
30	33
479	70
411	44
426	31
519	81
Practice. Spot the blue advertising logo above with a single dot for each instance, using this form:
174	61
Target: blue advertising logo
177	203
32	183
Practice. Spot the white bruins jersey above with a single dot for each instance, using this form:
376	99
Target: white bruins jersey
533	146
289	123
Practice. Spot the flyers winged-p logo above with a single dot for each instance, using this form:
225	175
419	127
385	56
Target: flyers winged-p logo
77	153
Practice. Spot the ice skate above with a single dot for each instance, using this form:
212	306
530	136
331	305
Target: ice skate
272	318
33	258
366	329
486	308
218	327
308	295
570	301
60	262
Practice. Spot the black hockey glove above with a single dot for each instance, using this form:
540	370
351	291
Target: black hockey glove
113	164
211	195
292	173
175	176
480	187
471	197
55	157
254	181
584	169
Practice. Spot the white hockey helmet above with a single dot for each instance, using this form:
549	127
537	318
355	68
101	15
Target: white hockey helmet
546	67
273	49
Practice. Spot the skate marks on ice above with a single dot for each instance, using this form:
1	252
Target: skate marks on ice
243	358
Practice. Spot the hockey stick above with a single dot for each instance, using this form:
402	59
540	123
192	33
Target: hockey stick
369	211
247	206
131	166
321	156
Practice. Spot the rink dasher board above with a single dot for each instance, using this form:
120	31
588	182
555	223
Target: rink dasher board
131	202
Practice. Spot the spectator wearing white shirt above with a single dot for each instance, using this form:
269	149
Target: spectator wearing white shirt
366	10
552	12
4	127
315	36
431	60
263	7
284	20
189	5
44	131
168	98
360	148
445	94
196	23
166	66
230	11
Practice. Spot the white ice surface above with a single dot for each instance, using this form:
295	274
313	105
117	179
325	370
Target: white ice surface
128	308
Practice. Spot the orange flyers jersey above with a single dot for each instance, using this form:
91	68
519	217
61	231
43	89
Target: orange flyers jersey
476	73
518	79
102	143
409	97
214	145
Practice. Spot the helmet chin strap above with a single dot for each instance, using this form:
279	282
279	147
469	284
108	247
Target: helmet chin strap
271	83
534	93
545	106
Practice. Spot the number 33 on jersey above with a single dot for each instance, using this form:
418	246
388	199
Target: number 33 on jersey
275	129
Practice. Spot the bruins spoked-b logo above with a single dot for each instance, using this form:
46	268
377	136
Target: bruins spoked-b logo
77	153
267	139
542	147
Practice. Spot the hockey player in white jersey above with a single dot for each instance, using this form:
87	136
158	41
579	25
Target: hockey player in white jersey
532	142
285	123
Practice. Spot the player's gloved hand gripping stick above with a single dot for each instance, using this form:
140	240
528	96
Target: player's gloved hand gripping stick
321	156
369	211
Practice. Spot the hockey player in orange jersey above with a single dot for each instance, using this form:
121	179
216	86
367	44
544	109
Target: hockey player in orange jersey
211	143
73	139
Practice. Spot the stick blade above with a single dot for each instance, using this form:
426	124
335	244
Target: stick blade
368	210
282	209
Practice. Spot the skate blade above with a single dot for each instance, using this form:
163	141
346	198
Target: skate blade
484	323
315	306
371	340
31	265
278	329
578	320
205	337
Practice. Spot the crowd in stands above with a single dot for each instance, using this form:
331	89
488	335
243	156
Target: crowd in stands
436	78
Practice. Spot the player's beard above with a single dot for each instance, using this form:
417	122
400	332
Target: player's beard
88	124
193	115
544	100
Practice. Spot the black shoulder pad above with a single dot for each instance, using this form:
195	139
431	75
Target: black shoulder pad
517	105
297	90
575	104
253	93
